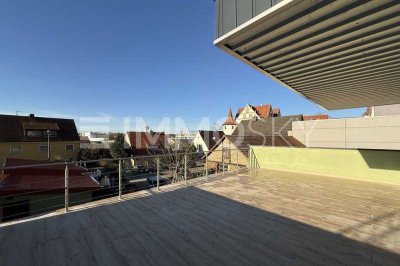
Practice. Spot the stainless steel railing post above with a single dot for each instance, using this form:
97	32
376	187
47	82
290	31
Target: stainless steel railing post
223	163
185	169
237	162
249	158
66	188
158	173
206	167
119	179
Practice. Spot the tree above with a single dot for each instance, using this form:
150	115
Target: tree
117	147
174	160
88	154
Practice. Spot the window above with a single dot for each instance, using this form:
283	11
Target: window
16	149
69	147
34	133
53	134
43	148
227	154
40	133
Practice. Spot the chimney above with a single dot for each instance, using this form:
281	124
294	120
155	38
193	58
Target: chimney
31	116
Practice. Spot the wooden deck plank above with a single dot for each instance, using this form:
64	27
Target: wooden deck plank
265	217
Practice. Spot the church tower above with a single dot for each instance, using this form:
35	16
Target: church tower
230	124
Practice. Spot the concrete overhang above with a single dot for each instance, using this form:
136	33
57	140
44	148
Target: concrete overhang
338	54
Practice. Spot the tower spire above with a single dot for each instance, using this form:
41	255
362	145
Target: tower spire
230	124
229	120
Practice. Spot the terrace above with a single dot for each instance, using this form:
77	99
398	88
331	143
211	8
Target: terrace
251	217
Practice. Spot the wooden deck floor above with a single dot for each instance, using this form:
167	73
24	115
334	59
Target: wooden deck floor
264	218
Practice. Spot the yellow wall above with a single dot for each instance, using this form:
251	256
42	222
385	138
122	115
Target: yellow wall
373	165
30	150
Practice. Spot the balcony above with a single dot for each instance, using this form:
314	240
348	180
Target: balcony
254	217
337	54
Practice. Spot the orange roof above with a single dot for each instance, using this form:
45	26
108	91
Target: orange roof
41	177
143	140
276	111
262	110
229	120
315	117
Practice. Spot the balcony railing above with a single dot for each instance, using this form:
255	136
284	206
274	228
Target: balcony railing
27	190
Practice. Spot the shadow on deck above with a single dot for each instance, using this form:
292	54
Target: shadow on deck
179	227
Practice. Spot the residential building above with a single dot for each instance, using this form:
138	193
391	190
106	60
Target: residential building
180	141
96	136
276	112
38	188
206	139
261	111
185	135
233	150
230	124
145	143
84	140
26	137
99	148
384	110
315	117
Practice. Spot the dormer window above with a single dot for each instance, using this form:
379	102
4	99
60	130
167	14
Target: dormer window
40	133
53	134
34	133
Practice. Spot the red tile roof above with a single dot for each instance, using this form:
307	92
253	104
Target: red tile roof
142	142
315	117
42	178
263	111
276	111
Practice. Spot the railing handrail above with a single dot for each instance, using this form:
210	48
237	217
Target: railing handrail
64	163
119	185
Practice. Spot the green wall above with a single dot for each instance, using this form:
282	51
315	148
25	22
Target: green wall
373	165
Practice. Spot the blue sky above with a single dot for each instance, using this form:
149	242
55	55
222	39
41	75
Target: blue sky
127	58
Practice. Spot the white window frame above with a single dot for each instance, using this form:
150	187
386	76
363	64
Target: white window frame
34	131
13	152
43	145
73	147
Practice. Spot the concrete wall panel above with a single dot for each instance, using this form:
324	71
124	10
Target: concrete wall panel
356	133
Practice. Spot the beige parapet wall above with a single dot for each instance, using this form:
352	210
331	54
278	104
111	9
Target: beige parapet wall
353	133
371	165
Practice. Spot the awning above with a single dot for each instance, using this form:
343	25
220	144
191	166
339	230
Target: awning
338	54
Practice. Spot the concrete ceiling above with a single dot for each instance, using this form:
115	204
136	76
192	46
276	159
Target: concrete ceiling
338	54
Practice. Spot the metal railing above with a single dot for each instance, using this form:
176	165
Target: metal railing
194	165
